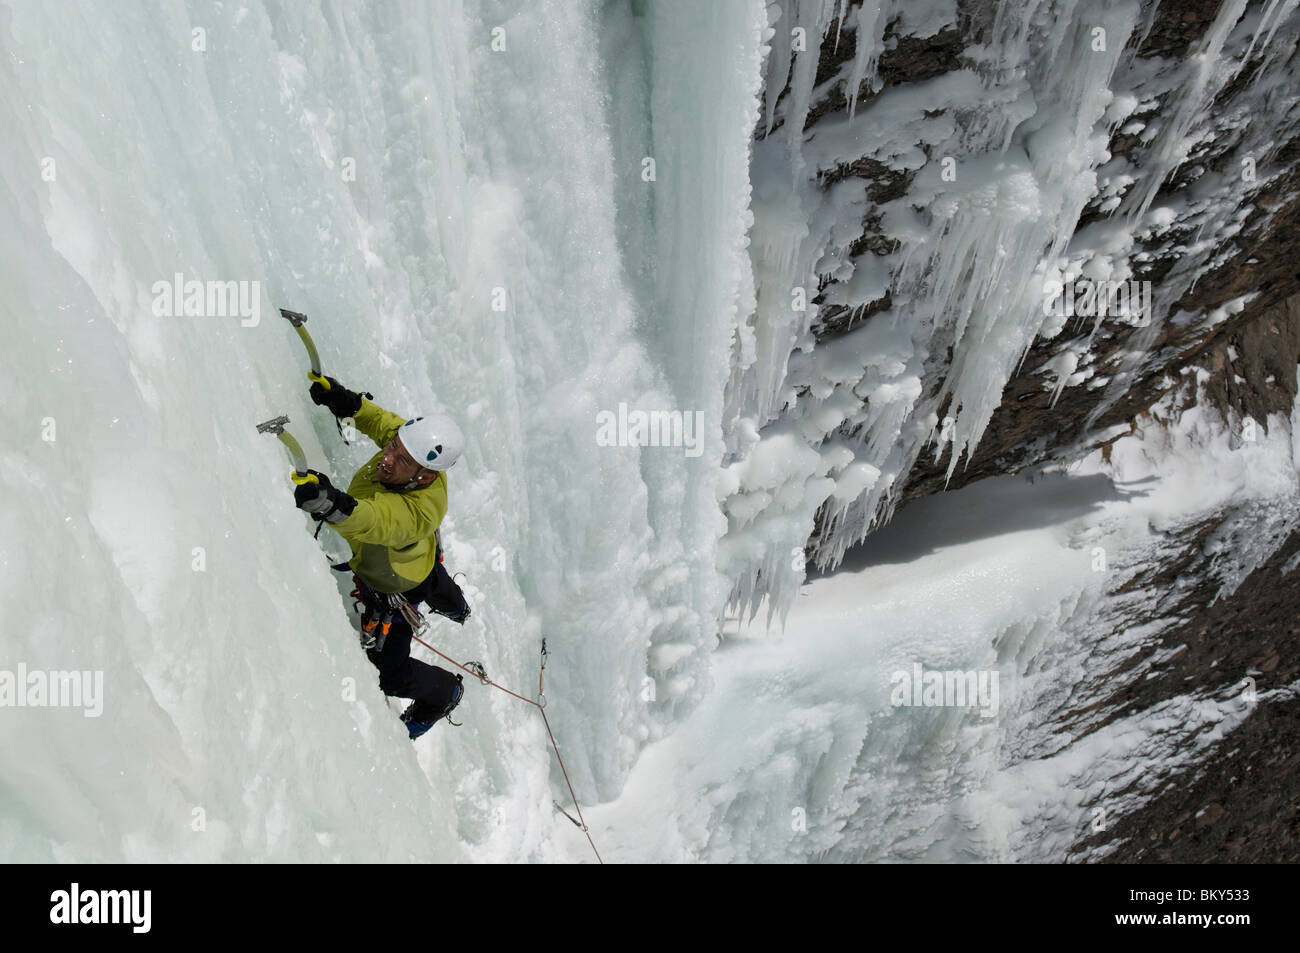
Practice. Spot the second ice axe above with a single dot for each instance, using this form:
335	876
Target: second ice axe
276	426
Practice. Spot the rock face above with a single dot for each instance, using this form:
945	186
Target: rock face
954	165
1242	805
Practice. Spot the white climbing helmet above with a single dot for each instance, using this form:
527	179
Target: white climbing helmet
434	442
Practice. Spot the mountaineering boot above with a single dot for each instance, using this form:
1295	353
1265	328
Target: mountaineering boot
455	615
419	717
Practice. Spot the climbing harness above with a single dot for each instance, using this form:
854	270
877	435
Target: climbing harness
380	610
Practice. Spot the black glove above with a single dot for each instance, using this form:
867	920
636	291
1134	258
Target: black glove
341	401
323	500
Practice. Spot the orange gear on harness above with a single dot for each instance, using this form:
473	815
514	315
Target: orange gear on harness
376	620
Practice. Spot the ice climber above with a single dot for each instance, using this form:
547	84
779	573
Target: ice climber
390	516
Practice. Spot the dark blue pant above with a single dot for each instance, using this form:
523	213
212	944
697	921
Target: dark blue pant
403	676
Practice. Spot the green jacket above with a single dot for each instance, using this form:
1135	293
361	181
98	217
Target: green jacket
391	531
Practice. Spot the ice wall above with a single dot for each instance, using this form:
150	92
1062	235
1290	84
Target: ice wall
147	535
455	195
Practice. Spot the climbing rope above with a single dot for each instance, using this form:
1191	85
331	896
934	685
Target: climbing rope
476	669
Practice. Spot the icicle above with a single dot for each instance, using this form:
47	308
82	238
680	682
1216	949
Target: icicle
778	65
1288	8
1269	57
1207	77
1263	21
870	32
814	17
1063	365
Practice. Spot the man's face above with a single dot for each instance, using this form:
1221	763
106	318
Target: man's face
396	465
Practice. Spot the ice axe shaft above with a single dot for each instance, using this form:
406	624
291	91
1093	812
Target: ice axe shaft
299	320
276	426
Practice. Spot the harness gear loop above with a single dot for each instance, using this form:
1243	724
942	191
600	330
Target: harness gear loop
372	640
359	600
409	612
376	618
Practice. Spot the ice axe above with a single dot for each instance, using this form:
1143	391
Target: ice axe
298	320
300	474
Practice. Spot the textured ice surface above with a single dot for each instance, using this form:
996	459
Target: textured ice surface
395	171
459	196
